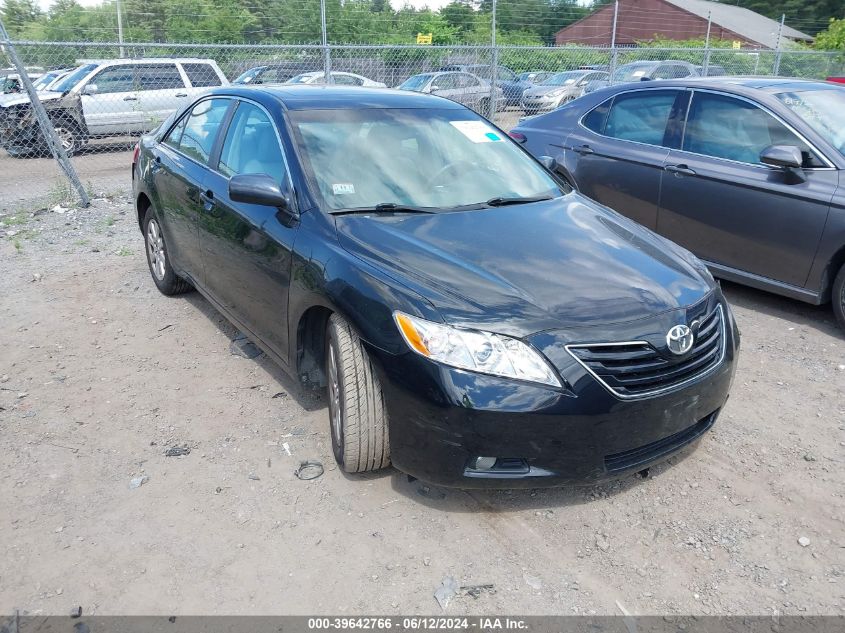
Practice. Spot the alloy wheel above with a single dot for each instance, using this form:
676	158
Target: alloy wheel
334	396
155	249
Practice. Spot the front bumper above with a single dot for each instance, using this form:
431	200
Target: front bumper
442	418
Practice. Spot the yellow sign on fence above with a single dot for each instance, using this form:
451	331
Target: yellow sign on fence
737	44
424	38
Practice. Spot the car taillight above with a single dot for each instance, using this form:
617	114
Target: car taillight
135	154
519	137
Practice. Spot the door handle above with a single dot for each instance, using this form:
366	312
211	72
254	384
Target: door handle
130	98
207	198
679	170
583	149
182	94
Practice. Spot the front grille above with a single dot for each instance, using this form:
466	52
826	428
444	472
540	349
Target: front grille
638	457
636	369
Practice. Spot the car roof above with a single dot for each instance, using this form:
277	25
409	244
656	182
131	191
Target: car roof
322	97
737	84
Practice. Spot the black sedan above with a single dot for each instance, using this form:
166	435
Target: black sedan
475	322
744	172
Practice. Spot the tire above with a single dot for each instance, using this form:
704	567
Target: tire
837	297
357	415
166	280
69	135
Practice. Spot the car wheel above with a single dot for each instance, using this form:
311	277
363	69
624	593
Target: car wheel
838	297
357	414
165	278
69	135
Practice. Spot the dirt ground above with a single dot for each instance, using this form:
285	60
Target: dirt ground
101	375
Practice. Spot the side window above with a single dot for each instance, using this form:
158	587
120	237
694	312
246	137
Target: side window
724	127
665	71
346	80
596	118
159	77
640	116
114	79
175	135
201	75
201	128
467	81
251	145
505	74
446	82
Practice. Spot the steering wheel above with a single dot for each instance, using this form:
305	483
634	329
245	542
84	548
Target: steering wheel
434	181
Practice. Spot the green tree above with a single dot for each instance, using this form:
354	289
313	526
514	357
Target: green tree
19	16
832	38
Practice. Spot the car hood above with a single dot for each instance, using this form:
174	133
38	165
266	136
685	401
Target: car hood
17	99
527	268
539	91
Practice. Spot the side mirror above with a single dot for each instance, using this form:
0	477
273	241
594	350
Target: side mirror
259	189
548	162
90	89
645	78
783	156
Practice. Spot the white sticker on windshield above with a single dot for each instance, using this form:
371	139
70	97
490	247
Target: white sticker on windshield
343	188
477	131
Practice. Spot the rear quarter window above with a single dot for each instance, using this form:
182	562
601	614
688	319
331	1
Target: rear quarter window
201	75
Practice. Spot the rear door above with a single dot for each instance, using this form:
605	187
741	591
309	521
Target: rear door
161	91
180	168
247	247
722	203
110	102
616	154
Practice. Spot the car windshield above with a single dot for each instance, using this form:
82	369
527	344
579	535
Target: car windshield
563	79
304	78
44	80
73	78
434	158
823	110
631	72
250	75
415	83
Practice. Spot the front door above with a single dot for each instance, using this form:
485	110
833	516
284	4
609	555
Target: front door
247	248
722	203
110	102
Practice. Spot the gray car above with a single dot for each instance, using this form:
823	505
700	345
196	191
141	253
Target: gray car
747	173
647	71
558	89
462	87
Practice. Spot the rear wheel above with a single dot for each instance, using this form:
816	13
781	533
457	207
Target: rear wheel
838	297
165	278
357	413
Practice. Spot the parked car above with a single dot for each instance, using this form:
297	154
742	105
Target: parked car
713	70
646	71
558	89
268	74
338	78
836	80
49	77
107	98
747	174
464	88
511	86
476	322
11	84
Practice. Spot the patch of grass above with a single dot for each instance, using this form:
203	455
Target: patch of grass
82	242
16	219
123	251
61	193
18	246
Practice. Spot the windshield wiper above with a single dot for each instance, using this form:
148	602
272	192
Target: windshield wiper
385	207
502	202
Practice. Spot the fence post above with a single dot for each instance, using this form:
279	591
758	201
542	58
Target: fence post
43	119
706	64
494	55
776	67
327	56
613	52
120	29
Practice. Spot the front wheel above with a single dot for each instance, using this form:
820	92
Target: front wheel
838	297
69	135
357	412
165	278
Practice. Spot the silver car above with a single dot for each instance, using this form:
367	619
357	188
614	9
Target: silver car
558	89
465	88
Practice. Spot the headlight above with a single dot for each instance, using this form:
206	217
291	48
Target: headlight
483	352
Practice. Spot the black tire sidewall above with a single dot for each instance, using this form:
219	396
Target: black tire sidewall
837	297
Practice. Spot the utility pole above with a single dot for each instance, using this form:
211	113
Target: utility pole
120	30
776	68
327	60
494	93
613	55
43	118
706	63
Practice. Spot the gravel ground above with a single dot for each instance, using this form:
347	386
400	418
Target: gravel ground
101	375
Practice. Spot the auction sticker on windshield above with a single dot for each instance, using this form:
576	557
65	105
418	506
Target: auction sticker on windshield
477	131
342	188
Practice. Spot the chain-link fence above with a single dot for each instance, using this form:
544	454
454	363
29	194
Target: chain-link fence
99	97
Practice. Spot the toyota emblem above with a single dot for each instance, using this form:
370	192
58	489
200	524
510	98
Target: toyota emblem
680	339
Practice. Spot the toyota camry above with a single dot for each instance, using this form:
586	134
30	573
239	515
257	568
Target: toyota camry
475	322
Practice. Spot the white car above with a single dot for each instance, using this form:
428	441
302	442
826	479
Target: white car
339	79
